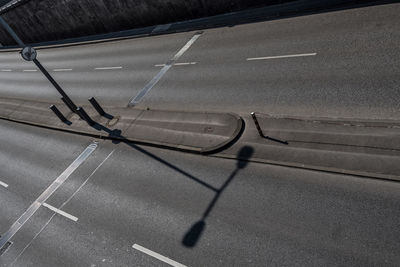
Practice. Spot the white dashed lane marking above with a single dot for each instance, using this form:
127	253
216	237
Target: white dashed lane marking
109	68
157	256
178	64
3	184
62	213
283	56
62	69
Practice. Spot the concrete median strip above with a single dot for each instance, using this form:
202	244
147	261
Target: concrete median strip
358	147
201	132
362	148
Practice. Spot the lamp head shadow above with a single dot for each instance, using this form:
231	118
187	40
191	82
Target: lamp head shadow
193	235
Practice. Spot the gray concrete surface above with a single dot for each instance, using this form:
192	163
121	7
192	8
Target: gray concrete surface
365	148
199	132
354	74
197	210
266	215
369	148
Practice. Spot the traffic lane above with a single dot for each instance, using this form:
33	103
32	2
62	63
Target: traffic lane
25	241
265	215
30	159
371	29
364	37
24	237
353	74
39	220
312	86
155	47
47	250
114	70
110	87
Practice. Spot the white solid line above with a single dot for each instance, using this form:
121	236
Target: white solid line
157	256
186	63
63	213
29	70
109	68
62	69
139	96
3	184
46	195
284	56
65	203
6	70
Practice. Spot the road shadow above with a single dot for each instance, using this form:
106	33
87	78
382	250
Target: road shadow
116	137
193	235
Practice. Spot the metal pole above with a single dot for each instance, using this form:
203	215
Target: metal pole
58	113
55	84
32	57
97	106
11	32
70	105
85	116
253	115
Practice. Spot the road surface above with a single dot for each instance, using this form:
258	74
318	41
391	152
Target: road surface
123	195
121	204
351	68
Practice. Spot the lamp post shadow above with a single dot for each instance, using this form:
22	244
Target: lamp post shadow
116	137
193	235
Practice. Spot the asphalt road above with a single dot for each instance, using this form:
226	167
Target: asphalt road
128	205
123	195
354	72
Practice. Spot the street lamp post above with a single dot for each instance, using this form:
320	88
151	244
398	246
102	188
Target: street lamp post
29	54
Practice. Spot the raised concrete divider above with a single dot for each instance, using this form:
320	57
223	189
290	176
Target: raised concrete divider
358	147
201	132
365	148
